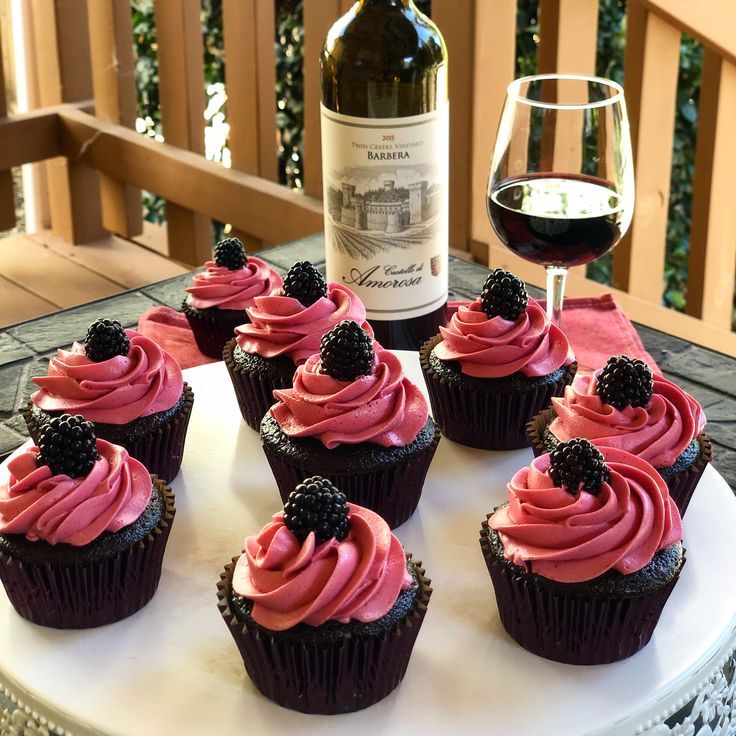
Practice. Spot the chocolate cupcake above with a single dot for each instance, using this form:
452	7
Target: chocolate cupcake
216	301
497	364
584	555
128	386
83	528
323	604
285	328
624	405
353	416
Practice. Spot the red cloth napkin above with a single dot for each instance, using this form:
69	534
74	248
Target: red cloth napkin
596	327
170	329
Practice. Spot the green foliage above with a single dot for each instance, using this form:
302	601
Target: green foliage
527	37
683	171
290	91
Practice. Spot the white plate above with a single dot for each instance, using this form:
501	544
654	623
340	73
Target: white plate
173	668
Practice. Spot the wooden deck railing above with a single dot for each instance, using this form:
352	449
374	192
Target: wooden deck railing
98	163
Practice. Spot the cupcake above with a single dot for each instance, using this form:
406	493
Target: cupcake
497	364
323	604
83	528
216	301
128	386
353	416
625	406
284	329
584	554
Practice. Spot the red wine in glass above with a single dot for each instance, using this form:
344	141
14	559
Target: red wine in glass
557	219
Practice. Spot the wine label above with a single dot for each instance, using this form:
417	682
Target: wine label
386	201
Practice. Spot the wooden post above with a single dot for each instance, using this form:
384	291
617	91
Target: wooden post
650	74
493	61
40	178
181	91
63	61
568	36
713	232
7	197
567	45
456	22
266	48
248	29
241	61
113	80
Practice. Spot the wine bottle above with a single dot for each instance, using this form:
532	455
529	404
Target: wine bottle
385	166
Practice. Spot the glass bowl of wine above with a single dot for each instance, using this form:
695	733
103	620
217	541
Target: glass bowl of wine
561	186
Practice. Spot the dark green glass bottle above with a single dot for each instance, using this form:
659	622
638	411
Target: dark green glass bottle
384	166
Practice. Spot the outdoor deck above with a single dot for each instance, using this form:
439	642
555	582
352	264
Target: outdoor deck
41	273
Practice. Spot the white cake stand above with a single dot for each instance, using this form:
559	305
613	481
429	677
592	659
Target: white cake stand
173	668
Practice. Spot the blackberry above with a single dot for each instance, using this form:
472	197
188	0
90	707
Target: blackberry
504	295
231	254
578	465
105	339
346	351
625	382
315	505
68	446
305	283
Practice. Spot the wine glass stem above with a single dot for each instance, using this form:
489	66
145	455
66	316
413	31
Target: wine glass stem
556	277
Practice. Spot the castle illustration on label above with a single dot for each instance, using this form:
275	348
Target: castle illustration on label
390	210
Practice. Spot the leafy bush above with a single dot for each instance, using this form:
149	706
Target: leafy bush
290	91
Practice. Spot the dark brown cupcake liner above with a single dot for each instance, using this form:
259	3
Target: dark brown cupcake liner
681	485
570	627
82	595
393	492
535	430
212	330
485	419
161	449
254	393
332	676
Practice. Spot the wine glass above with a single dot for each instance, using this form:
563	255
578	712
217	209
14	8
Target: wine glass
561	186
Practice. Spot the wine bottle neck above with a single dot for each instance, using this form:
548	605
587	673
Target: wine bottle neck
385	4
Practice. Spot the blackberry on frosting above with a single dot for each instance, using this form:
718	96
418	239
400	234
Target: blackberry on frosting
230	254
305	283
504	295
68	446
578	465
315	505
346	351
625	381
105	339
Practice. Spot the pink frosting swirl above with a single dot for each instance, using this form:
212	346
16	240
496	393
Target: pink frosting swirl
494	347
359	578
385	407
280	325
574	538
658	432
220	287
145	381
57	508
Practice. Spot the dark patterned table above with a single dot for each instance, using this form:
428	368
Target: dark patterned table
25	349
